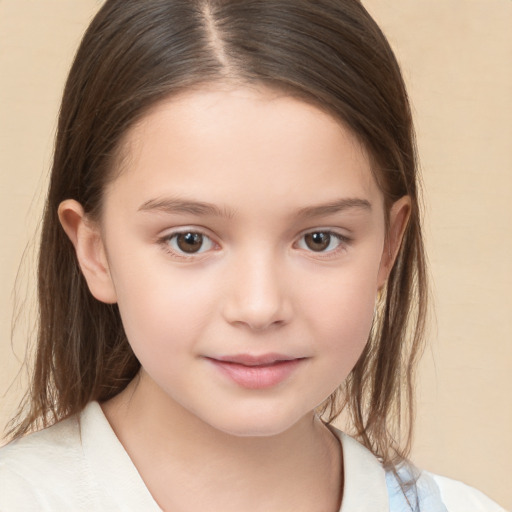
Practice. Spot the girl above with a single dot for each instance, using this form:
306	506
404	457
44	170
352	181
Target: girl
231	255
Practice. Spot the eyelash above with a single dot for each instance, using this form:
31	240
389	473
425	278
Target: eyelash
342	243
165	241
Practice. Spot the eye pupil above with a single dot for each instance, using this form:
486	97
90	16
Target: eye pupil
189	242
318	241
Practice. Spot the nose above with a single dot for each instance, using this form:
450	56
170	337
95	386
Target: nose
257	295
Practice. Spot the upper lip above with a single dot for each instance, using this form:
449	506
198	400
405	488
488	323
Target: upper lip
255	360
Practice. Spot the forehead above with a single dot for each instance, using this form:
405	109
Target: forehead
253	142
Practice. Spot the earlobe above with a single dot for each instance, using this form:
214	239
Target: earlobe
86	238
398	220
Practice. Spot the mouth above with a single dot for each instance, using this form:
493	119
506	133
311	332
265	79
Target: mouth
256	372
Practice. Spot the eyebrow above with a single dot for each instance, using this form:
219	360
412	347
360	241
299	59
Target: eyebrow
336	206
177	205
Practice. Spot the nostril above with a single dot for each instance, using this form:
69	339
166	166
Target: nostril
259	324
258	316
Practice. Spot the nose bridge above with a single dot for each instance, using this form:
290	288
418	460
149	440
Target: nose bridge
258	296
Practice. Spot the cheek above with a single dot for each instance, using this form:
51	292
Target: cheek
162	309
344	316
341	311
343	323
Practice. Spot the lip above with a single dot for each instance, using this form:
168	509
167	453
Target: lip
257	371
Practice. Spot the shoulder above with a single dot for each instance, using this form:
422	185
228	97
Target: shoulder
459	497
42	452
434	493
42	470
403	488
77	464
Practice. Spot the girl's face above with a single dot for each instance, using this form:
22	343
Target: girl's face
244	242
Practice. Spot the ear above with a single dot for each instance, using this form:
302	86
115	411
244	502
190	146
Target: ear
398	219
85	236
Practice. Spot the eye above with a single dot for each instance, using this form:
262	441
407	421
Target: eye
321	241
189	242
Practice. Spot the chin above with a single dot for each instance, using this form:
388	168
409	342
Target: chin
256	425
256	431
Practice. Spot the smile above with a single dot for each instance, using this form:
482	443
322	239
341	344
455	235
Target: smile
256	372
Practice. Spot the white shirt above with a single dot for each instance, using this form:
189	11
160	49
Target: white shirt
82	466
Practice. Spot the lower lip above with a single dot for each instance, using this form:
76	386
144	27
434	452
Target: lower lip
257	377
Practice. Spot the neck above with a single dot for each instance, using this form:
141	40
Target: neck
188	465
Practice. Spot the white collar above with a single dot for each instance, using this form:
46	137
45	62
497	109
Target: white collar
364	478
365	487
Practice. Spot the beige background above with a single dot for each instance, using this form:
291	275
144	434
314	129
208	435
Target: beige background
457	59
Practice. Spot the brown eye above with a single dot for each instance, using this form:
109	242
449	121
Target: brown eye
318	241
322	242
189	242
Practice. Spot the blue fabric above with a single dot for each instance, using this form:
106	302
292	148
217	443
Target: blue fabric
421	492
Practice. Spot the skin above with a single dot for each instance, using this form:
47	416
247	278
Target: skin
265	162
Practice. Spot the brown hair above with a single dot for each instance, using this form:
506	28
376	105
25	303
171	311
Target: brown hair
134	54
